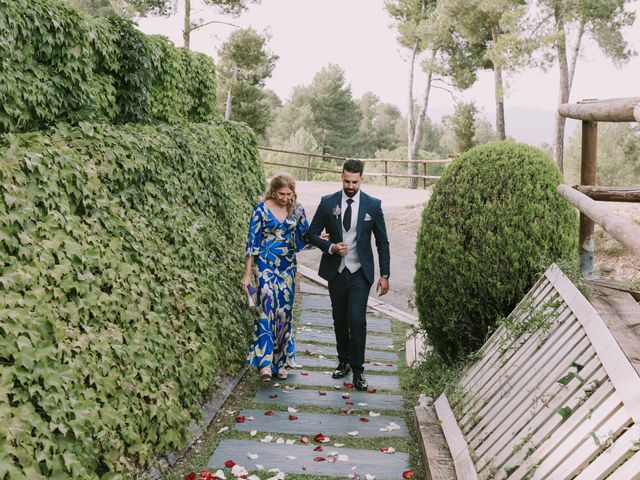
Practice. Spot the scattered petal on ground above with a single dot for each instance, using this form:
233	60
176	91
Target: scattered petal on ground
240	419
259	467
407	474
223	429
304	439
290	442
269	413
280	440
319	437
252	456
321	393
292	417
338	445
253	433
364	420
318	448
318	459
291	457
362	404
370	477
229	463
275	395
239	471
343	458
292	410
220	474
353	434
374	414
267	439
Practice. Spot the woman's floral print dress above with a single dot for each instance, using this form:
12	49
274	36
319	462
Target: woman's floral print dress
274	245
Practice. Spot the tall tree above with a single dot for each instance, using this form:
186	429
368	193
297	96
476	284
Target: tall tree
564	25
336	117
245	63
494	28
377	127
463	125
425	30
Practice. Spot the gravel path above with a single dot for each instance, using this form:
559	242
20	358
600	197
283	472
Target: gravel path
402	210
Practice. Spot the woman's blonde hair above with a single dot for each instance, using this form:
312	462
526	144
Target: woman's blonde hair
282	180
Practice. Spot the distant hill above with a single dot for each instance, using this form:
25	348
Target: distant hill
524	124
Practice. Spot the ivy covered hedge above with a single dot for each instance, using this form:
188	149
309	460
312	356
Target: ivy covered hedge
493	223
119	267
60	65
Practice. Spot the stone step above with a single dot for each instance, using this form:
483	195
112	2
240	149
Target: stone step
330	364
328	424
271	455
323	319
316	302
330	352
379	382
313	289
331	399
307	333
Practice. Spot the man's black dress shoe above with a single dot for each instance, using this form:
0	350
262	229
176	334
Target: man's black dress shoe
341	370
359	382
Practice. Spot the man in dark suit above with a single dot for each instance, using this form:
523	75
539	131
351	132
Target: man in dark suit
349	217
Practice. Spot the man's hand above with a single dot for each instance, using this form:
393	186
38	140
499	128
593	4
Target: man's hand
383	286
340	248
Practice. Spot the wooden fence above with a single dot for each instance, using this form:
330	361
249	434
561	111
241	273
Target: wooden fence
591	112
553	396
307	167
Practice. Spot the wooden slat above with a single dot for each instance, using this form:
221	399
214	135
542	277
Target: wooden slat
618	367
546	419
465	470
579	447
560	347
438	463
506	428
508	373
621	313
548	441
612	457
630	470
610	194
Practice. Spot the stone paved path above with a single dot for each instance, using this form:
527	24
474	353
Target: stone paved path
311	424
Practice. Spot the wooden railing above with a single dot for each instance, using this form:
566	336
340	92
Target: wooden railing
585	195
307	167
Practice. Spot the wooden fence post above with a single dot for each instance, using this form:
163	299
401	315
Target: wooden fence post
588	177
425	176
306	172
386	172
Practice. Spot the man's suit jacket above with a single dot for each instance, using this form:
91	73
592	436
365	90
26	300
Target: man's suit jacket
326	218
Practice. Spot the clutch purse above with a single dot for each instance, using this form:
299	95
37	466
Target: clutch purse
252	297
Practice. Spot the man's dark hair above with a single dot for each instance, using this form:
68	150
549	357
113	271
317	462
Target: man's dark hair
353	165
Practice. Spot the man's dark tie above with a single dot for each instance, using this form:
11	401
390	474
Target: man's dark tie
346	218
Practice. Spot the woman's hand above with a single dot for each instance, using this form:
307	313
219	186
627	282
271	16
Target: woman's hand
245	282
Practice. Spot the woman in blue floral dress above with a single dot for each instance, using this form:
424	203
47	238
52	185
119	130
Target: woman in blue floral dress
276	233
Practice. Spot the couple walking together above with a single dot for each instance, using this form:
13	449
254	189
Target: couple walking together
278	229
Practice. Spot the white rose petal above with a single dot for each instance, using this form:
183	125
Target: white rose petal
332	454
253	433
223	429
292	410
291	457
220	474
239	471
370	477
253	477
252	456
290	442
374	414
343	458
276	385
338	445
351	475
362	404
321	356
280	440
353	434
337	387
390	450
325	440
267	439
259	467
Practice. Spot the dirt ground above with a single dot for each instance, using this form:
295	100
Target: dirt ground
402	210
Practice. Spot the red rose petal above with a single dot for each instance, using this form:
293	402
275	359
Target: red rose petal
275	395
190	476
349	403
345	396
321	393
318	449
292	417
407	474
239	419
229	463
389	364
384	449
321	459
319	437
347	385
304	373
304	439
364	420
269	413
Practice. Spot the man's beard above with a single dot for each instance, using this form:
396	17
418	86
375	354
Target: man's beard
351	193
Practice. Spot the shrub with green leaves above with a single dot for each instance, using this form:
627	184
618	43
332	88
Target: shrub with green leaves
119	297
60	65
493	223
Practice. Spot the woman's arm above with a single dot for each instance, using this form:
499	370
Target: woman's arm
246	278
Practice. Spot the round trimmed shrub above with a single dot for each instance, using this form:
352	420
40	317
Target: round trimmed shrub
493	223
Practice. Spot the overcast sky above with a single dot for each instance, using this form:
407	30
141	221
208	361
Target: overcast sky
356	34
